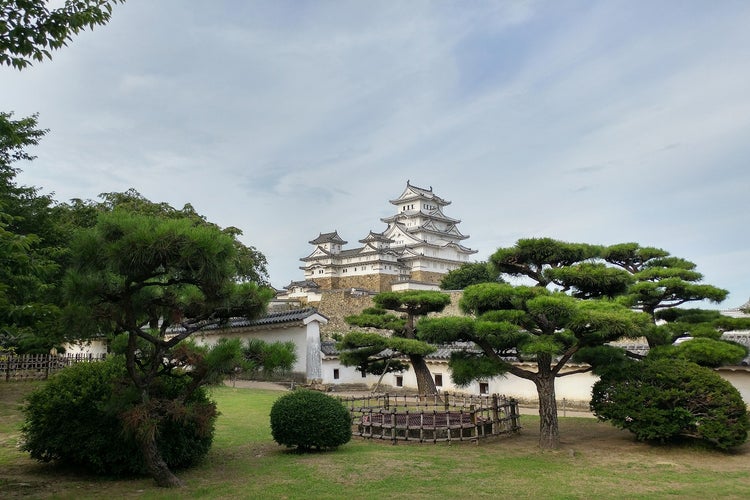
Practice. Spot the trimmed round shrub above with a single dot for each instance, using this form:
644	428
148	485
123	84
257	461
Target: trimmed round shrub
75	419
309	419
664	399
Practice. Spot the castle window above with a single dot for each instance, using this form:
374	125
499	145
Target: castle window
336	373
439	380
399	381
484	388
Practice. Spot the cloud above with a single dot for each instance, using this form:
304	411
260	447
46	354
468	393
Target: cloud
590	121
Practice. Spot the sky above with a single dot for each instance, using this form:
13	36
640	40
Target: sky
584	121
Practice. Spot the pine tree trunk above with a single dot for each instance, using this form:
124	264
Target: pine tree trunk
157	466
425	383
549	431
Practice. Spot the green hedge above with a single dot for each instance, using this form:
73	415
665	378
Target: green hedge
663	399
308	419
75	419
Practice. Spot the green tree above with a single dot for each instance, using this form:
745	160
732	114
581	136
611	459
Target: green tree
661	399
251	264
467	274
158	280
374	352
30	30
268	357
76	419
33	248
661	280
510	324
696	335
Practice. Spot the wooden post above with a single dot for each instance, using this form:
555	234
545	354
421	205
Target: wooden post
474	420
421	426
434	426
495	415
393	425
406	430
448	424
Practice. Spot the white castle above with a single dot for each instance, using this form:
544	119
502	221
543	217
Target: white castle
420	245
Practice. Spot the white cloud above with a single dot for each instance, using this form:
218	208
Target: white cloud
601	122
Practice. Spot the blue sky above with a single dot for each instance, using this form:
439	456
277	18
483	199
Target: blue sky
602	122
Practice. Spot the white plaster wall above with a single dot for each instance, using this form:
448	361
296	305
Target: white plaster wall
96	347
410	285
575	387
740	379
347	374
296	334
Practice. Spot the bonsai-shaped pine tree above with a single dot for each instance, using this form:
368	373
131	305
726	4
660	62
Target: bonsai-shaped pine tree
545	324
155	276
375	352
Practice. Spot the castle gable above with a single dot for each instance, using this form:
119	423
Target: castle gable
328	238
413	193
319	252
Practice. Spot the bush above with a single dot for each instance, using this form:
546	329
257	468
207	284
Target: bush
75	419
662	399
308	419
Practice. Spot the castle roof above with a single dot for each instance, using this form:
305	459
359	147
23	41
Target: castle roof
328	238
435	214
416	193
273	318
742	311
381	237
302	284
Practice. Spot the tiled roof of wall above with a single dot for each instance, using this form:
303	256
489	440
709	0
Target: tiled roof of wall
274	318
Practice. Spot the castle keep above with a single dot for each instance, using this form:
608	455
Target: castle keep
419	246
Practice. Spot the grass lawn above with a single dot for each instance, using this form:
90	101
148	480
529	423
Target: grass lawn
595	461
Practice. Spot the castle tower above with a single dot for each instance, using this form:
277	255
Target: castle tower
428	241
420	244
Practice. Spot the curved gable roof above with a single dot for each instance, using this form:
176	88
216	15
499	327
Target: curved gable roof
328	238
412	192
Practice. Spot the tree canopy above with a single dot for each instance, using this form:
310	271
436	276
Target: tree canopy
378	352
662	399
509	324
32	247
578	298
467	274
157	280
30	30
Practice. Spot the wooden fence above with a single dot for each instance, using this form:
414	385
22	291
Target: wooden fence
22	367
443	417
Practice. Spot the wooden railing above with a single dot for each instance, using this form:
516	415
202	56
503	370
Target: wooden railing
443	417
21	367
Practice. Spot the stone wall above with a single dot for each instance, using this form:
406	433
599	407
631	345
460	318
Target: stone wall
427	276
326	283
375	282
338	304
